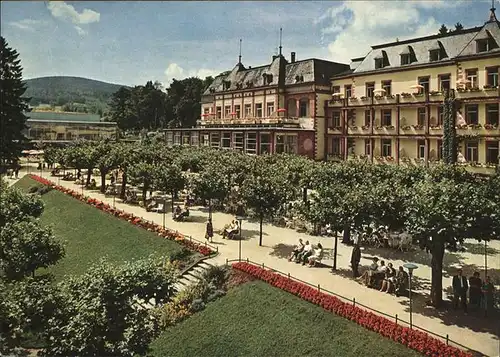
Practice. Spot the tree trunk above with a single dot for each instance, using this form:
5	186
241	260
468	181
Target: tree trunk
260	229
103	181
144	193
172	199
124	185
335	251
437	274
89	176
209	209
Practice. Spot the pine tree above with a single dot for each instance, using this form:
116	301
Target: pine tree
443	29
13	105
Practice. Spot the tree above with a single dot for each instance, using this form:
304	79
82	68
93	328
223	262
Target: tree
107	160
13	105
265	193
443	30
211	185
143	173
458	27
25	247
169	178
100	315
444	214
16	206
121	110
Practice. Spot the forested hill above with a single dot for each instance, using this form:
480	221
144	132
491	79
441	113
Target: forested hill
73	91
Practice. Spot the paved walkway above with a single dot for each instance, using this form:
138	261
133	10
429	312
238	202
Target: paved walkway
470	330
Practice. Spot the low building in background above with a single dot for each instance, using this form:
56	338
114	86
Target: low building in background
60	127
276	108
388	108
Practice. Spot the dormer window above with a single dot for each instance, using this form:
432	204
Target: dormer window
379	63
268	78
405	59
486	45
381	60
434	55
226	85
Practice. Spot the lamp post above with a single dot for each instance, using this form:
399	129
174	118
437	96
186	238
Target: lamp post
485	259
239	219
411	267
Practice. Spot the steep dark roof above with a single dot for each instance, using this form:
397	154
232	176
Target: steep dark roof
311	70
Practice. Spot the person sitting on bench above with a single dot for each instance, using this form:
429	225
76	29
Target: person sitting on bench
317	255
233	230
306	253
401	282
298	249
179	214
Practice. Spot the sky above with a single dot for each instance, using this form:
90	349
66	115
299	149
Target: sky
129	43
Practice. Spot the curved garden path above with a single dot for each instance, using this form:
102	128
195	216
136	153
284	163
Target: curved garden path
471	330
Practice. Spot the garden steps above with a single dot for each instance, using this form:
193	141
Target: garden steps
191	275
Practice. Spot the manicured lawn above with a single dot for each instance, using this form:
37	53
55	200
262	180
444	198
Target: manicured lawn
90	234
256	319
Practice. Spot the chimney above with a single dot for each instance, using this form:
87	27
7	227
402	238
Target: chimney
292	56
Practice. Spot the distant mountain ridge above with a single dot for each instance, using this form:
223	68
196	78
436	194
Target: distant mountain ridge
76	92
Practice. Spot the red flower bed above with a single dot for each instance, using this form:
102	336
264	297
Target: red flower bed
150	226
414	339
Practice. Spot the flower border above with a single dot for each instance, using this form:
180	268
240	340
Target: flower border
137	221
414	339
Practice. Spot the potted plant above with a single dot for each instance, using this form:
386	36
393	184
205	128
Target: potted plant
389	158
353	127
405	95
489	87
474	89
475	126
461	90
365	127
405	127
379	127
390	96
434	93
418	127
489	127
390	127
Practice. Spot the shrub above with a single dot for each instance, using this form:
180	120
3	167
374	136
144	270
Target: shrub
33	189
197	305
43	190
215	295
216	275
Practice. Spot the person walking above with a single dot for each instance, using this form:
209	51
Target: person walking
355	259
209	234
460	287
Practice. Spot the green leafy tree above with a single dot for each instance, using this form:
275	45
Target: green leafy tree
108	158
169	178
100	316
211	185
142	173
13	104
15	206
26	246
264	192
444	214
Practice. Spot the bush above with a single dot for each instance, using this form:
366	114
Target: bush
33	189
216	275
197	305
43	190
215	295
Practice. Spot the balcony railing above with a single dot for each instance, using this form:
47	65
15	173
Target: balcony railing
251	121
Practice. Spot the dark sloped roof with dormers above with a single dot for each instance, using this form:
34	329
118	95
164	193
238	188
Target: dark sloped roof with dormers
451	46
305	71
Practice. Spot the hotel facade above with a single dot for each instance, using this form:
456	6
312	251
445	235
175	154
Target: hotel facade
388	107
276	108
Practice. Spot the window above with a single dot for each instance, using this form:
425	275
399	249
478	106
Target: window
248	110
387	86
227	111
286	144
336	89
440	115
421	149
335	147
347	91
177	138
379	63
303	108
335	123
170	139
214	140
421	116
194	139
434	55
444	82
251	142
270	108
492	76
370	87
485	45
237	110
471	116
226	140
424	82
471	151
258	110
492	112
218	110
368	147
405	59
440	149
186	138
368	117
492	152
386	147
265	143
471	75
205	140
206	110
239	141
386	117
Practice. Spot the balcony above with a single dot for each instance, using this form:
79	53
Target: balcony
386	99
478	130
359	130
385	129
409	98
337	130
476	92
275	121
413	129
